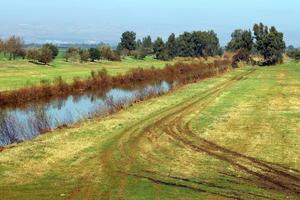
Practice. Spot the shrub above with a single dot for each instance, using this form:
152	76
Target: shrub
33	54
242	55
94	54
115	57
107	53
45	55
139	54
294	54
53	49
72	54
84	55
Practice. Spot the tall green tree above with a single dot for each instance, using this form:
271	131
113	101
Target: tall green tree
240	39
128	40
160	49
209	44
198	43
147	44
185	47
269	43
242	44
171	46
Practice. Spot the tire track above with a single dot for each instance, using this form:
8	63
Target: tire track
171	121
137	132
267	175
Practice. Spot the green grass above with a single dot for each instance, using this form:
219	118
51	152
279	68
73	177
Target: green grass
133	154
21	73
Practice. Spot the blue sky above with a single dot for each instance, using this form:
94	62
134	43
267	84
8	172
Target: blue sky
105	20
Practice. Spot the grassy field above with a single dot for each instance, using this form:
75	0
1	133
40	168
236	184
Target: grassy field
234	136
21	73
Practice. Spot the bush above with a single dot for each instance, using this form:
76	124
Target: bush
53	49
139	54
115	57
22	53
84	55
72	53
242	55
42	55
33	54
94	54
45	55
294	54
107	53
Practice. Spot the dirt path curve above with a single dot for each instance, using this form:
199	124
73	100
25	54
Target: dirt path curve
172	121
127	140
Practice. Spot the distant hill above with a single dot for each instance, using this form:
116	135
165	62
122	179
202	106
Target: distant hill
69	45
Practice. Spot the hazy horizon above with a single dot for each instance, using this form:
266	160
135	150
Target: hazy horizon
92	21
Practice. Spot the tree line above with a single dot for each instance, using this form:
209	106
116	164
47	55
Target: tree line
268	43
262	40
13	47
293	53
188	44
48	52
92	54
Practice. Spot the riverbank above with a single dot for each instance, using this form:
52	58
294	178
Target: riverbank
101	80
29	119
229	136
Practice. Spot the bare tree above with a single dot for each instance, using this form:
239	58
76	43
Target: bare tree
14	45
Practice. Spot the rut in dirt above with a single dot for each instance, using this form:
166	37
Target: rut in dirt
264	174
261	174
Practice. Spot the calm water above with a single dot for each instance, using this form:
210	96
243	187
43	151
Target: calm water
17	125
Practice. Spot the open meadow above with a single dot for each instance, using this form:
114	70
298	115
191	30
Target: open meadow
21	73
149	100
233	136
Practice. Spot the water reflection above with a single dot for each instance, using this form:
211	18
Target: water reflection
20	124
